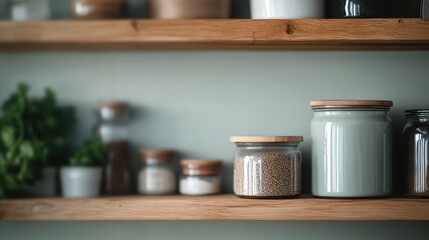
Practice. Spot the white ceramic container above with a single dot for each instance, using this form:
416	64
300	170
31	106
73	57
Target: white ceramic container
81	182
287	9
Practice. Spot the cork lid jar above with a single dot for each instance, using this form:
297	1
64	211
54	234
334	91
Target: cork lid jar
200	177
267	166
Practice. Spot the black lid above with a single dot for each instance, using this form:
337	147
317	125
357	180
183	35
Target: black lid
417	112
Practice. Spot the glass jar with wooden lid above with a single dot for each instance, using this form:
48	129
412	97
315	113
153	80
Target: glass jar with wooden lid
157	176
112	128
351	148
267	166
200	177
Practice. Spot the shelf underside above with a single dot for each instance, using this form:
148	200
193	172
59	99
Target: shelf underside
221	207
228	34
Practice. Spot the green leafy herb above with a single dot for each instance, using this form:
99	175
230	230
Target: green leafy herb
33	133
91	154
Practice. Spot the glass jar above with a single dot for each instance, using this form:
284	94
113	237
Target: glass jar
416	144
351	148
358	8
200	177
26	10
267	166
157	177
97	9
113	130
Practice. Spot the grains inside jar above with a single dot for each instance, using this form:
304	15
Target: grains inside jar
267	167
267	175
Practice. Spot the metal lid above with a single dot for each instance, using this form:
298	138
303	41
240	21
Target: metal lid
363	103
200	167
417	112
266	139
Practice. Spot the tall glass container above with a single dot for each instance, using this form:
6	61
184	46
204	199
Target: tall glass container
113	130
351	148
416	144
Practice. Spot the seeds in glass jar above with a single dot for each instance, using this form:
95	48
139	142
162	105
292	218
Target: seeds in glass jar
267	175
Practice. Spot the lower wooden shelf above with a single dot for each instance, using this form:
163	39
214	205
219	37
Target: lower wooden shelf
221	207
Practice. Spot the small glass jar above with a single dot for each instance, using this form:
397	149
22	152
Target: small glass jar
358	8
97	9
157	177
351	148
113	130
200	177
267	166
416	143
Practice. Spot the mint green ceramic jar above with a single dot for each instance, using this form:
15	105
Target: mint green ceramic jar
351	149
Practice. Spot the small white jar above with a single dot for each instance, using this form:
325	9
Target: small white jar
157	177
200	177
287	9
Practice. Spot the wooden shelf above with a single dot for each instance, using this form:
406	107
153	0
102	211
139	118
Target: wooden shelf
222	207
305	34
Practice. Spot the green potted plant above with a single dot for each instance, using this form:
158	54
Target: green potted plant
82	177
33	135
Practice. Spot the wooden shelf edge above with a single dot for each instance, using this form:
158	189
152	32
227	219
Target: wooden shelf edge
221	207
227	34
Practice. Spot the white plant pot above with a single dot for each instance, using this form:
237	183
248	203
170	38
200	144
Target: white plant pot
81	182
47	186
287	9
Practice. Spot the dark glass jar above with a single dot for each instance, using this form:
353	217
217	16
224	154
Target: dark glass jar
358	8
113	130
416	143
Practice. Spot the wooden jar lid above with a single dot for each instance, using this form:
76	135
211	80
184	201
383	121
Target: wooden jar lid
267	139
382	103
162	155
200	167
116	107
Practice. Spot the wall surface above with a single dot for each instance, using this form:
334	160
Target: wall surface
193	101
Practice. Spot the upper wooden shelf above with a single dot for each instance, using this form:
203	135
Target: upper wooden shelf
305	34
222	207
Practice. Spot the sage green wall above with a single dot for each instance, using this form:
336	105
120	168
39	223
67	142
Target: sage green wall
194	101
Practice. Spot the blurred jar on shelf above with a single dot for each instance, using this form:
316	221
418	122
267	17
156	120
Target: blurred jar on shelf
190	9
97	9
287	9
157	176
358	8
27	10
200	177
113	131
417	9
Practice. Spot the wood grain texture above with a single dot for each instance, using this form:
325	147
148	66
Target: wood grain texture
228	34
222	207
